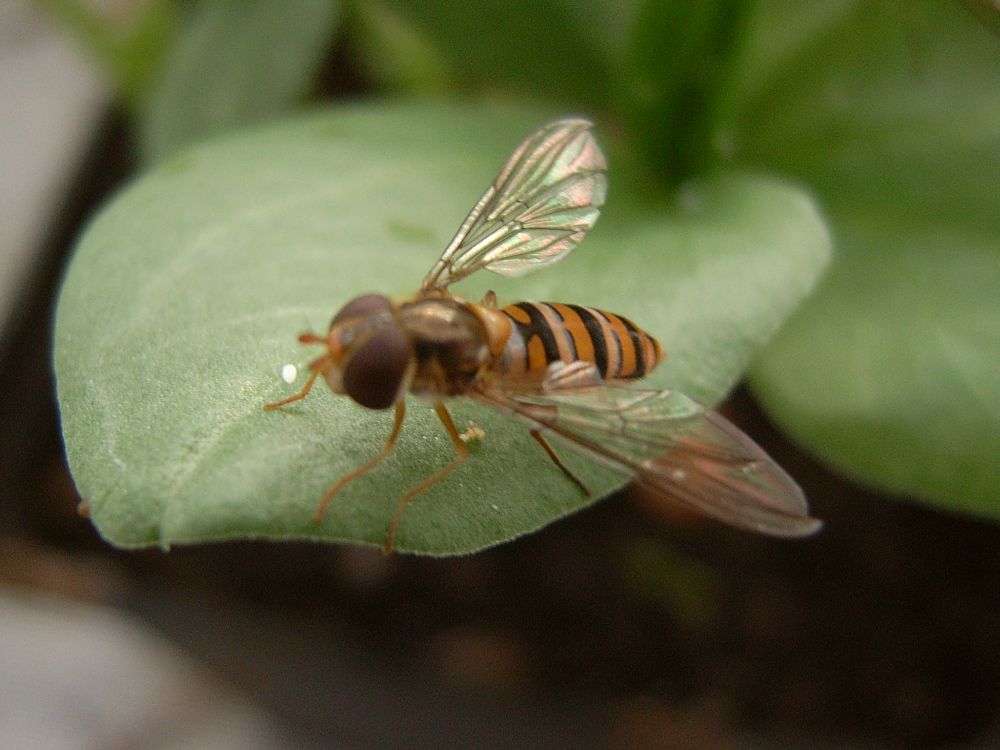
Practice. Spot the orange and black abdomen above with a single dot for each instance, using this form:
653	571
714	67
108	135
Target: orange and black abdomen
546	332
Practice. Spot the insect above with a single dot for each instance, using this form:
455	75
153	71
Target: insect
563	369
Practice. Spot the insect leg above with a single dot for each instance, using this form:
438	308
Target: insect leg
537	435
315	368
386	450
463	453
298	396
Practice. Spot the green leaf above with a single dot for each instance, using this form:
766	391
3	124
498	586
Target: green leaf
395	52
890	113
669	78
186	295
891	373
235	62
546	50
129	45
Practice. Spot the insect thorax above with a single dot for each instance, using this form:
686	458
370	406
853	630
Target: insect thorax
450	343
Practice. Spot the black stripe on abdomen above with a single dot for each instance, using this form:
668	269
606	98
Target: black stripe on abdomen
595	330
637	342
539	327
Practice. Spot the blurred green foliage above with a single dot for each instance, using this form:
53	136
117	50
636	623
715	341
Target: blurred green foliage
130	42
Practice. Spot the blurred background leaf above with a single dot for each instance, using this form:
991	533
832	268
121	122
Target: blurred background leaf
889	112
556	54
235	62
677	58
129	40
987	11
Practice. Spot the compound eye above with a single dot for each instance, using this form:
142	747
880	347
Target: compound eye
375	373
361	307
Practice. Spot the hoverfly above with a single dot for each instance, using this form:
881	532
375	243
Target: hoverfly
563	369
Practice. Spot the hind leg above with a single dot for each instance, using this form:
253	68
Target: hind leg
540	438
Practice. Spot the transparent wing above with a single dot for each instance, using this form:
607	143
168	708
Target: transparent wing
667	441
543	202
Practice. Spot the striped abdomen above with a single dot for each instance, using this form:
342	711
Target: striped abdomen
546	332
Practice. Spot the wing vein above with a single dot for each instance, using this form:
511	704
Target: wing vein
546	198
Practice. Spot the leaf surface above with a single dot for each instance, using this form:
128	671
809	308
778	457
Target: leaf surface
186	295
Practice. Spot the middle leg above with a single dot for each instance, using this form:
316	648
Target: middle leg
463	453
390	444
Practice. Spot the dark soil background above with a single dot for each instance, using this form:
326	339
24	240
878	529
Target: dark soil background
622	626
